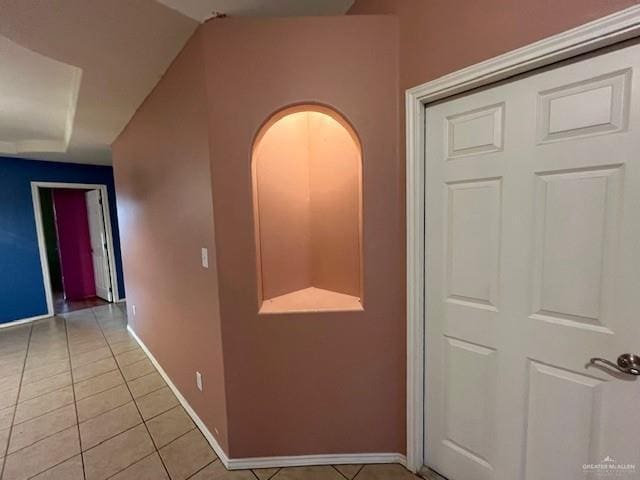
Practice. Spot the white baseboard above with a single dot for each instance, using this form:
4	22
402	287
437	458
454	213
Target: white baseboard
183	401
305	460
269	462
15	323
121	300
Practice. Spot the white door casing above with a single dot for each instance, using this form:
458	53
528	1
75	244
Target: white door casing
99	251
531	269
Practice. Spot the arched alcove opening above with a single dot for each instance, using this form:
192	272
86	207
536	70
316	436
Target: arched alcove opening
307	198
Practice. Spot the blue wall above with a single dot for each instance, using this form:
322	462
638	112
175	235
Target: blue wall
22	293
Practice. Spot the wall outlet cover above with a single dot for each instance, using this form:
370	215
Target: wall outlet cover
205	258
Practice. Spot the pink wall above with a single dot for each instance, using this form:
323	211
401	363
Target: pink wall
440	36
313	383
290	384
163	183
74	243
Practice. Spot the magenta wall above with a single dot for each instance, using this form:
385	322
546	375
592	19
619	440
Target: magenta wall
74	243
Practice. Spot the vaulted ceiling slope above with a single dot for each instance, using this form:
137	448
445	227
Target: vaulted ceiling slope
122	49
73	72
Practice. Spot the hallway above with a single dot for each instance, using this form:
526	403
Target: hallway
79	399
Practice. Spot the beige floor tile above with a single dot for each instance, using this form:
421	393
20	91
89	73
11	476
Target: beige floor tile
109	424
94	369
41	456
308	473
12	353
117	453
9	383
89	357
348	471
97	404
117	336
46	371
107	311
186	455
87	345
37	361
4	439
35	389
216	471
147	384
265	473
125	346
6	417
34	430
156	402
10	369
8	398
98	384
149	468
138	369
385	472
68	470
132	356
170	425
43	404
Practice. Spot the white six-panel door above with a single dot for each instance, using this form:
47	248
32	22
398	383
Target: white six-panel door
532	268
99	252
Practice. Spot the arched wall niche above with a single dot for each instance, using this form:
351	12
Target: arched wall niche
307	203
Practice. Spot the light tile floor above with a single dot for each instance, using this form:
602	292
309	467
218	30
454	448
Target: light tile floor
79	399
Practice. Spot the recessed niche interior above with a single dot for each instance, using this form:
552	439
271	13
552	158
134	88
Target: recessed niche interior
307	196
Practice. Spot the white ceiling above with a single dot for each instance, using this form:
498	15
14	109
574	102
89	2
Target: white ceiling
73	72
202	10
38	101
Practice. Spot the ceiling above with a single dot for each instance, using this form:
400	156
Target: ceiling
79	69
202	10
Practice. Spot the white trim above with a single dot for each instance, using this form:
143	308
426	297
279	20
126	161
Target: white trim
266	462
121	300
306	460
37	211
183	401
15	323
586	38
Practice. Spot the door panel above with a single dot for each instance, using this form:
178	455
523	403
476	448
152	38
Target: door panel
532	194
99	250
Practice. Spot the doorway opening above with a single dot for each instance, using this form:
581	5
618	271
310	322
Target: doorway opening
76	248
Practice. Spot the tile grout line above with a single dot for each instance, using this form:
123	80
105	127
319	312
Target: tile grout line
75	402
358	472
15	405
134	401
202	468
342	474
48	411
48	435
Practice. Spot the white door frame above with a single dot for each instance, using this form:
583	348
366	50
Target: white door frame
37	211
606	31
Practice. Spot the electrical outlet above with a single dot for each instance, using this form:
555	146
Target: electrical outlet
205	258
133	310
199	380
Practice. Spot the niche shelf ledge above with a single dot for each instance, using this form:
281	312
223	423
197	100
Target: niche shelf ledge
311	299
